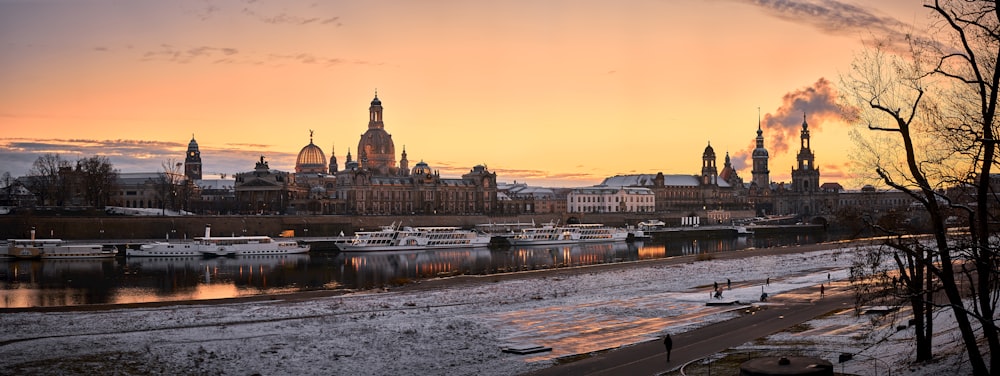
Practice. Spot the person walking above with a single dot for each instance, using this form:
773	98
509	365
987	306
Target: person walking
716	285
729	284
668	344
821	290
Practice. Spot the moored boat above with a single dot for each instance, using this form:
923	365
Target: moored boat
394	238
569	234
55	249
209	245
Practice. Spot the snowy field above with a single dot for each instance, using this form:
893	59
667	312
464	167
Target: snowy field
446	331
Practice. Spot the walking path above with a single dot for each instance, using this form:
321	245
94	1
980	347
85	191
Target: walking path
650	358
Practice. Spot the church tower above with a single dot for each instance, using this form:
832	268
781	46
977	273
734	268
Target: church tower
192	161
761	175
404	169
333	160
805	178
709	173
376	150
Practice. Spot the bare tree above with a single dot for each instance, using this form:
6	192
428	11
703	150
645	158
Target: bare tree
168	185
98	179
936	110
45	181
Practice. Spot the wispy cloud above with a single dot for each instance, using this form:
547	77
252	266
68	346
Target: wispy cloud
172	54
229	55
840	18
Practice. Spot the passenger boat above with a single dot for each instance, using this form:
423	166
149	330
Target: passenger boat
569	234
55	249
220	246
394	238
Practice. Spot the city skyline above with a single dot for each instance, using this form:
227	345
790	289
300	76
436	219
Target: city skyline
542	93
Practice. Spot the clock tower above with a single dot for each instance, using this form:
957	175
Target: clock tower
192	161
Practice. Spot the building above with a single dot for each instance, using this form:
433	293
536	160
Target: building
266	191
675	192
192	161
606	199
376	185
804	196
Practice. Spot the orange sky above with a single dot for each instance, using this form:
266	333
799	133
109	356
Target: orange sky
550	93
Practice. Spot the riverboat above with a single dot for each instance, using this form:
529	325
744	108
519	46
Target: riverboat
569	234
220	246
395	238
55	249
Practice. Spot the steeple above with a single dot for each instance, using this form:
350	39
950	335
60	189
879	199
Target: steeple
192	161
404	164
709	172
760	174
333	159
375	113
805	176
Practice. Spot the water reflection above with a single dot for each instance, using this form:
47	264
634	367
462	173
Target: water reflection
147	279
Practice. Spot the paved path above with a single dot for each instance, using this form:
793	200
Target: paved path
649	358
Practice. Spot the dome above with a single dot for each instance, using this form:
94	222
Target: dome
193	145
311	160
759	152
421	169
709	152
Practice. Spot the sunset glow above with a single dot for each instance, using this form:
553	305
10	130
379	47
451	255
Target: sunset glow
548	93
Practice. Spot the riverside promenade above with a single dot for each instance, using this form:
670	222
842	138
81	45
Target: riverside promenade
650	358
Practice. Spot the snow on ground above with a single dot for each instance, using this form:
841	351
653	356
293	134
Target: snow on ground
449	331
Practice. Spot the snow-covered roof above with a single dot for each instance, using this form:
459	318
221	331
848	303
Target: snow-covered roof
646	180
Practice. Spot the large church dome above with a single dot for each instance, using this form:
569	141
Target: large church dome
376	150
311	159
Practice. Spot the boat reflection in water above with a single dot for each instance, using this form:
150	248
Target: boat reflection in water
37	283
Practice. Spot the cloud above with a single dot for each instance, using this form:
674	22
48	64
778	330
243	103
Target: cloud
816	105
289	19
839	18
17	155
172	54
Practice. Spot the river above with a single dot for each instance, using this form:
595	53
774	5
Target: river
45	283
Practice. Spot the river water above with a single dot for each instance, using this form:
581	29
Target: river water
43	283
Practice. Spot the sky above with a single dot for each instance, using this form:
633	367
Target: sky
549	93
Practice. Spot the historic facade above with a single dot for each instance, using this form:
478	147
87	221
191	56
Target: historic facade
266	191
708	191
376	184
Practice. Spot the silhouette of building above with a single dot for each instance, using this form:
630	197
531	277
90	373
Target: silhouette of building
375	184
192	161
266	191
674	192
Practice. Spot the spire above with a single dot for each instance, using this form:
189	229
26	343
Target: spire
310	137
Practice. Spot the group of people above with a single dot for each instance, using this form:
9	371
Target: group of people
717	292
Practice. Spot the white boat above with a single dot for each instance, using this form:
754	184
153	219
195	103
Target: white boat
569	234
394	238
651	225
55	249
220	246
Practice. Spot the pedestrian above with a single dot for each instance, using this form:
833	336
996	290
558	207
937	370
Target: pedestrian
821	290
827	277
716	285
668	344
729	284
768	281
